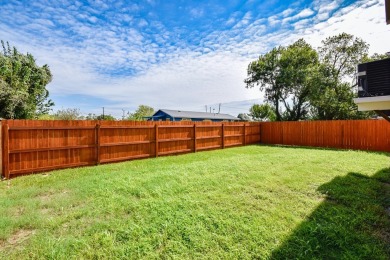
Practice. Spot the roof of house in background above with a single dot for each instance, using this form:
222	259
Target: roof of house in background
201	115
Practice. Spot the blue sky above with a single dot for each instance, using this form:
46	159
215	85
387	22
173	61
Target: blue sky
172	54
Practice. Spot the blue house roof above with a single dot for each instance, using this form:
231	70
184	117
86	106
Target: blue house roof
195	116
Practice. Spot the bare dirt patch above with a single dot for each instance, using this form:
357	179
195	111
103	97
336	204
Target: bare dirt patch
17	238
20	236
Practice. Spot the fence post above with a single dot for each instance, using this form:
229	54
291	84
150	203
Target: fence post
223	136
5	142
244	134
156	138
194	138
1	150
261	138
97	143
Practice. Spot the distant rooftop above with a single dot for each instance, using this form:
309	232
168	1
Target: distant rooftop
199	115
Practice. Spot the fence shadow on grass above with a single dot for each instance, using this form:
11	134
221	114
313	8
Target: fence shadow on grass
352	223
320	148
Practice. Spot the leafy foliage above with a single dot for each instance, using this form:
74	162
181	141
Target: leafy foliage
302	83
332	98
68	114
263	112
284	75
141	112
23	93
108	117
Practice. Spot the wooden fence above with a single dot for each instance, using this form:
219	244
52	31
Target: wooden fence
371	135
34	146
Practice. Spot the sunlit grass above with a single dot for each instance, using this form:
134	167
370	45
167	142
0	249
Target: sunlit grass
246	202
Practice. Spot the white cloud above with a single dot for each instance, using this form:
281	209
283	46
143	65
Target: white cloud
164	71
302	14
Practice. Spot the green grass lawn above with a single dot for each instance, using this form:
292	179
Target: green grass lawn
246	202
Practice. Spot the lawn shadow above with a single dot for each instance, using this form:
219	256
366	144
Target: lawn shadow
352	223
321	148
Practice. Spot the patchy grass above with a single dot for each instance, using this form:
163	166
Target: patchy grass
247	202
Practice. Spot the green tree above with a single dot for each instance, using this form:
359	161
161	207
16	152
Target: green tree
141	112
108	117
68	114
263	112
332	98
23	92
375	56
284	74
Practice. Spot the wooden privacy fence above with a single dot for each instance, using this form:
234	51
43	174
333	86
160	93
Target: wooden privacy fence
35	146
371	135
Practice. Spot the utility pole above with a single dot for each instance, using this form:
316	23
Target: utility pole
206	108
210	110
219	109
123	116
103	113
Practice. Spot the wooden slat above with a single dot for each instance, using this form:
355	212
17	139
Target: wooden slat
233	144
235	135
209	126
126	158
223	136
18	128
174	139
208	137
209	147
128	127
51	149
244	134
175	151
97	143
50	168
194	137
156	139
175	126
5	153
128	143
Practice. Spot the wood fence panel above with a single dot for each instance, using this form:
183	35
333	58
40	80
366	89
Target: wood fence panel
208	136
234	135
36	146
371	135
33	146
252	133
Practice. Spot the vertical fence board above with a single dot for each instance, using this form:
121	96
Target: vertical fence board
1	149
5	153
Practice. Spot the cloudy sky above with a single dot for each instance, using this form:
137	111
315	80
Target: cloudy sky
172	54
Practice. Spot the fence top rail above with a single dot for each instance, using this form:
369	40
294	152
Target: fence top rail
175	126
126	126
22	128
234	125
